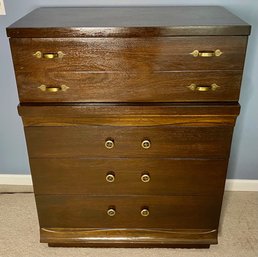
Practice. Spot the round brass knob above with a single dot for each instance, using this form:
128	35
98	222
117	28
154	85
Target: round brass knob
109	144
145	178
110	177
146	144
145	212
111	212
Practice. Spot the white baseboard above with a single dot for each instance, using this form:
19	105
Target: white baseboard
241	185
13	179
231	184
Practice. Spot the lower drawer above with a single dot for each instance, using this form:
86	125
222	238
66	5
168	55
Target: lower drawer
162	141
80	211
128	176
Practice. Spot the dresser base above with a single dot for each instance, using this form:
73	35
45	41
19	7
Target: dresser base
61	237
132	245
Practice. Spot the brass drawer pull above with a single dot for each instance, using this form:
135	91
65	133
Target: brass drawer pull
109	144
146	144
203	88
58	54
111	212
110	177
53	89
145	212
215	53
145	178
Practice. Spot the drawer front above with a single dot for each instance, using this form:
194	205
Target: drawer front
179	212
128	87
114	141
128	176
128	54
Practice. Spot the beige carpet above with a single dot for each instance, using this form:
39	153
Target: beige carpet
19	234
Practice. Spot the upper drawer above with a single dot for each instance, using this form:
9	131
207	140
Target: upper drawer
129	54
70	86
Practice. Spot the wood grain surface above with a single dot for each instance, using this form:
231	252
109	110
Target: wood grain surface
120	110
129	114
128	54
128	87
127	72
128	22
168	212
166	141
167	176
192	238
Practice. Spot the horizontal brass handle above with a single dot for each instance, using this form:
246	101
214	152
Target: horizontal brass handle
145	212
145	178
109	144
53	89
146	144
203	88
110	177
39	55
215	53
111	212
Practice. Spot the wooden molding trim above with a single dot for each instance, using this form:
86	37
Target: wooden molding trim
127	236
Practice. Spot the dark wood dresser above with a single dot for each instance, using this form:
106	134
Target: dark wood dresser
128	116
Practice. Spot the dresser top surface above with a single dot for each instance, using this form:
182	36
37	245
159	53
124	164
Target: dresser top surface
128	21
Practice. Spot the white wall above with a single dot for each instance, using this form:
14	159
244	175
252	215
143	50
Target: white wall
243	162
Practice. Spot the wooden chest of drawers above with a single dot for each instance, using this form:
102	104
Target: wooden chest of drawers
128	116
